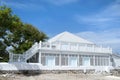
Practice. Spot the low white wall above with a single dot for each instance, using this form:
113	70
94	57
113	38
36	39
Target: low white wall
19	66
117	62
37	66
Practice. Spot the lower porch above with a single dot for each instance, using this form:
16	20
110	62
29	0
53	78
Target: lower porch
70	60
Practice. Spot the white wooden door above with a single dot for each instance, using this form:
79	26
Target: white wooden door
86	61
50	61
73	61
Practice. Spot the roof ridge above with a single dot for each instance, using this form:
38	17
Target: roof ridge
69	37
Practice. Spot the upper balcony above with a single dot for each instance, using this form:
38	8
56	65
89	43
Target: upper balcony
74	47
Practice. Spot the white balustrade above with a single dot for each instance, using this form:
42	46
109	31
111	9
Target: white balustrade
31	51
76	47
26	55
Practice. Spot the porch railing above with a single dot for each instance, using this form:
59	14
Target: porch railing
76	47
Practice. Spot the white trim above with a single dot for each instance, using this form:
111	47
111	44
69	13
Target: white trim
39	57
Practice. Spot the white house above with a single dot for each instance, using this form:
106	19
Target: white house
67	51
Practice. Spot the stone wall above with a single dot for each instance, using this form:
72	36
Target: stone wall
47	71
115	72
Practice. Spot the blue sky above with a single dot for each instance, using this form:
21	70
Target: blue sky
94	20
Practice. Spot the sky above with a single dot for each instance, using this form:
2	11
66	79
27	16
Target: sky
95	20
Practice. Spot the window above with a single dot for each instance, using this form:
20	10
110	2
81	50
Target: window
91	61
80	60
64	60
45	55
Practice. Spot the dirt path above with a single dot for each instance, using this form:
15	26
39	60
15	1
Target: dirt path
58	77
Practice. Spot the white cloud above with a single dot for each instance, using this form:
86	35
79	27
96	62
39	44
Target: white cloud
108	17
61	2
109	37
107	20
23	5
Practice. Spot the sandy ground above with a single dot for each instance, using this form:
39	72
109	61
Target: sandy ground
58	77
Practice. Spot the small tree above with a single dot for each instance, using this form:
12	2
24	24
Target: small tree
16	34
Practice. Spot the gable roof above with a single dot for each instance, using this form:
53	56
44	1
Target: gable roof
69	37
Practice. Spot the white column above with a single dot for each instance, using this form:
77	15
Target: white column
78	60
60	59
97	60
82	57
105	61
109	61
40	44
39	57
68	56
100	60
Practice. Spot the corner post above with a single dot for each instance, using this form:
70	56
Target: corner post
40	43
39	52
39	57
